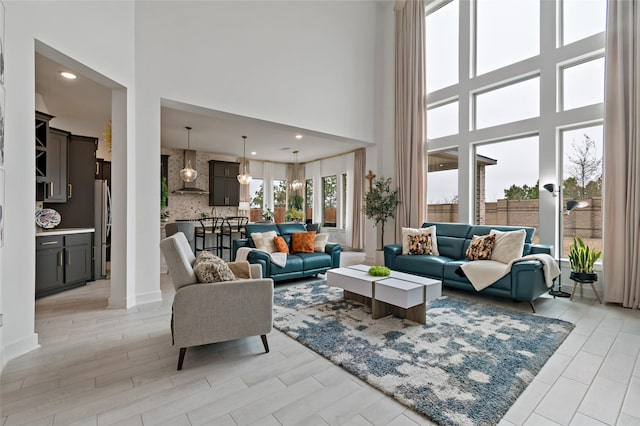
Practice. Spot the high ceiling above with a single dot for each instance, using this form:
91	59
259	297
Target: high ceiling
84	100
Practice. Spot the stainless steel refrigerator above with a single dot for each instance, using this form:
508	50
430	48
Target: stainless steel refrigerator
103	227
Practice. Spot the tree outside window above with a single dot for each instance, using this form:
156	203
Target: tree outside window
279	200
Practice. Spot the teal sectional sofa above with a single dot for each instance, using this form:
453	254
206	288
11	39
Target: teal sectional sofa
298	264
525	282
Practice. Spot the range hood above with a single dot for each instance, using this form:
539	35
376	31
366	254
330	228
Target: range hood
190	187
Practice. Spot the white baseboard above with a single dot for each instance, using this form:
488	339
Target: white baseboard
19	347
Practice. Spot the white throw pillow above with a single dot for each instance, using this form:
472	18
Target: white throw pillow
417	231
508	245
264	241
320	241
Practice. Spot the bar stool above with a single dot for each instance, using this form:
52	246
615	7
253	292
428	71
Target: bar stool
209	227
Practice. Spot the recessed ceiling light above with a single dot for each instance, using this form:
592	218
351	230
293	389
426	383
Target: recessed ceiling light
68	75
298	136
253	153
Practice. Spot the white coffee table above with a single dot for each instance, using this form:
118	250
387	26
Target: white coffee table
401	294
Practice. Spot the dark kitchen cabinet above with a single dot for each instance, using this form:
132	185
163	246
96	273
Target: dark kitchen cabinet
49	264
63	262
103	170
51	161
78	211
224	188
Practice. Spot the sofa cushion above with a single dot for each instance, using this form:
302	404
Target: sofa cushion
294	264
320	242
508	245
311	261
459	230
450	274
281	245
480	247
424	265
303	242
407	232
290	228
209	268
452	247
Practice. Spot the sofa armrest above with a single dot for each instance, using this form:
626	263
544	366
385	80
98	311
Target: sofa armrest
236	244
540	248
261	258
215	312
390	253
334	250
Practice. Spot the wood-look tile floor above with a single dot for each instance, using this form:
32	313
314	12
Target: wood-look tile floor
99	366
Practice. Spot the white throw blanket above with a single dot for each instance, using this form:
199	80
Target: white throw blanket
277	258
483	273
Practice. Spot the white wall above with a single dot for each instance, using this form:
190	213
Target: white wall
318	65
307	64
98	34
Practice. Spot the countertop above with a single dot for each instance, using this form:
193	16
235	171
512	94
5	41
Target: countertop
63	231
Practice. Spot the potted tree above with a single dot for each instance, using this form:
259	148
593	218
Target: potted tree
379	205
581	259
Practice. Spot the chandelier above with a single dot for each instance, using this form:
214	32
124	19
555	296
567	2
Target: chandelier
297	183
245	177
188	174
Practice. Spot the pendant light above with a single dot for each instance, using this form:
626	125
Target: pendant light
297	183
245	177
188	174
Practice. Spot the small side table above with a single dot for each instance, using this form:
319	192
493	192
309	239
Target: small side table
580	282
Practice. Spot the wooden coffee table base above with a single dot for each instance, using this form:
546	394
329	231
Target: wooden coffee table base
417	313
380	309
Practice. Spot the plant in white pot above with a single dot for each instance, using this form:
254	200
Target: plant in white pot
380	204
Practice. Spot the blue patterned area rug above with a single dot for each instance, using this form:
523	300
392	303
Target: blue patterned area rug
466	366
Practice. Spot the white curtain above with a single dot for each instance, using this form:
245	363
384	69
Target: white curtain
622	155
359	171
410	115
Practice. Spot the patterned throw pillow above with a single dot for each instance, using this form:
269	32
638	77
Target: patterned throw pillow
281	245
431	230
480	247
420	244
209	268
303	242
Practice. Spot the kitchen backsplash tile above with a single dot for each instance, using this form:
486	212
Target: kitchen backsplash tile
192	206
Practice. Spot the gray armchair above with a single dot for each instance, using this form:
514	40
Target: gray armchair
214	312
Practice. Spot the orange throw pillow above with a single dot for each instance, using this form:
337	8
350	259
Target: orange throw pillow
281	245
303	242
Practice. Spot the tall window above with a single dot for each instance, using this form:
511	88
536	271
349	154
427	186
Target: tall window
442	195
256	192
506	191
582	181
329	200
524	77
343	203
308	199
279	200
442	51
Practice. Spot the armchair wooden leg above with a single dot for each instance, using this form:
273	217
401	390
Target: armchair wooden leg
183	351
264	342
